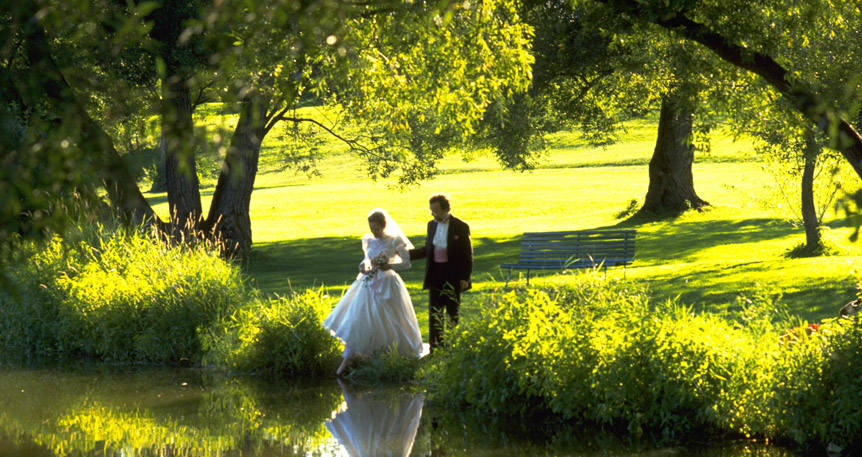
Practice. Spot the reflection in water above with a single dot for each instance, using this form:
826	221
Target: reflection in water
111	411
163	412
376	423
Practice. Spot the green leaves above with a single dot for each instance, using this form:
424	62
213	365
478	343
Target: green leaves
423	79
597	352
110	294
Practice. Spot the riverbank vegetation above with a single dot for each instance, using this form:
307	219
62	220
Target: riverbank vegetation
114	294
585	348
599	352
686	339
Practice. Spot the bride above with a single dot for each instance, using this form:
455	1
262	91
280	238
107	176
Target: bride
375	312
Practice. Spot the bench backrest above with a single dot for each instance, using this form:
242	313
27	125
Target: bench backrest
578	248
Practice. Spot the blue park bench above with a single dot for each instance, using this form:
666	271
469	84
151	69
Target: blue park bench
577	249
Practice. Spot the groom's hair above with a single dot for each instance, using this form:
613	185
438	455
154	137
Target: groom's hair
378	217
442	200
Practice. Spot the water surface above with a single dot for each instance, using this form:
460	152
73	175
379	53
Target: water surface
118	411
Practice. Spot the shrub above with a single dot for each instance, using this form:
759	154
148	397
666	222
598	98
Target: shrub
597	352
386	367
114	294
818	386
279	338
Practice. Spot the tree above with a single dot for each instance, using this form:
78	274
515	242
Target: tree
806	51
671	183
748	34
806	176
60	148
376	58
590	78
179	59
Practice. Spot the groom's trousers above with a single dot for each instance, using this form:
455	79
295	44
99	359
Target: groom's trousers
444	301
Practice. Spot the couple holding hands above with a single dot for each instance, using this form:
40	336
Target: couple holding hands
376	312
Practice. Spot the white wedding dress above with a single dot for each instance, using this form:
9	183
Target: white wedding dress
376	312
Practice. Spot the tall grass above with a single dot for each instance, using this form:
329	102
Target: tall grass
115	294
818	388
109	293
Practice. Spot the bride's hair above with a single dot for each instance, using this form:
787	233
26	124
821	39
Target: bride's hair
390	227
378	217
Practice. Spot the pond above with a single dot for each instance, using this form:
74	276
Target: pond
114	411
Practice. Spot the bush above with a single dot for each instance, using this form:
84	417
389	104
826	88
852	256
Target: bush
818	386
596	352
279	338
114	294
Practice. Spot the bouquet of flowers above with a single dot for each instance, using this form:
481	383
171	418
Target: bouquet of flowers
378	261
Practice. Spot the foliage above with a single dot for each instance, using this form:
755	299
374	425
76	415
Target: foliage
422	81
783	193
282	338
630	209
817	386
803	50
115	294
598	353
825	247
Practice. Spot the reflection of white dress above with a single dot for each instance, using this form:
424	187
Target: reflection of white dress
374	424
376	312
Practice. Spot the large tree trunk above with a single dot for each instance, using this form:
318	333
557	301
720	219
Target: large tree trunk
228	218
809	210
181	178
671	184
181	60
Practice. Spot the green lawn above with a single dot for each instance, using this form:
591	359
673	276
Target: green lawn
306	230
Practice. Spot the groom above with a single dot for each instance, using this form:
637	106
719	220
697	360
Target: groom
449	263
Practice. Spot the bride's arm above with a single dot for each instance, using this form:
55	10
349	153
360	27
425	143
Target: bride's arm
401	250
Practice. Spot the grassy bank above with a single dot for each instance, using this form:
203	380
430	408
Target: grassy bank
113	294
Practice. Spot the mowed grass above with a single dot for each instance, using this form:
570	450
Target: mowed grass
306	230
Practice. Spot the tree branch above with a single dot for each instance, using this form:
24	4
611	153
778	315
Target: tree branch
799	93
274	119
353	144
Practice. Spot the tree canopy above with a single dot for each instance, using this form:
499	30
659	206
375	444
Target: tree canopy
417	75
804	49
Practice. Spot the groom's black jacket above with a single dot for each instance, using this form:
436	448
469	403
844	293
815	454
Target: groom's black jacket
459	251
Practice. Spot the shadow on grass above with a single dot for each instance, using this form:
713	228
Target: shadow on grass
681	241
303	263
811	300
332	262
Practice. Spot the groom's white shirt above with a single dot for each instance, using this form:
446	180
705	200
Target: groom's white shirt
440	241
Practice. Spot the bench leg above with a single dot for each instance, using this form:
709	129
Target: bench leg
509	275
528	276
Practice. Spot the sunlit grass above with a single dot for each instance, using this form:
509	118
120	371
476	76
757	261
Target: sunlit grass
306	230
